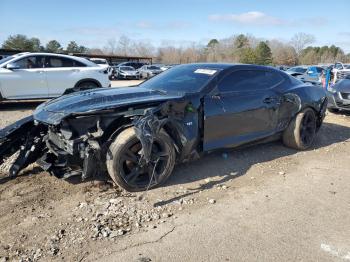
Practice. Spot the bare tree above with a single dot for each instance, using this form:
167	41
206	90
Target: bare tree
169	55
300	40
190	54
282	53
95	51
124	45
143	48
111	47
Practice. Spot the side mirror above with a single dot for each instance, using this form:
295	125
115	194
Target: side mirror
12	66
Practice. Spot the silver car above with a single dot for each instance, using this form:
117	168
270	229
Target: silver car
148	71
126	72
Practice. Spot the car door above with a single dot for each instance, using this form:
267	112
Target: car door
242	108
27	81
61	73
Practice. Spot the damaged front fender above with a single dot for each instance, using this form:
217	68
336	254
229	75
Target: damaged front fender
146	127
179	119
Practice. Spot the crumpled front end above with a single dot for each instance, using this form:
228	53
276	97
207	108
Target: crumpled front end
70	148
27	136
78	143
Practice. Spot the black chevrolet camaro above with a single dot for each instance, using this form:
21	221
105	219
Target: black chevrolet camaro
137	134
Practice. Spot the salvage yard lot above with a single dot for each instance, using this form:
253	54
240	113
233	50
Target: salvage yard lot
260	203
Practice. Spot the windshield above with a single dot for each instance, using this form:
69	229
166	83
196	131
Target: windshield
6	59
182	79
127	68
297	69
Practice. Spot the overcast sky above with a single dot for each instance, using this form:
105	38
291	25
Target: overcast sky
177	22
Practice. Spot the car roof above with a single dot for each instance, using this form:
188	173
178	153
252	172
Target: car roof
214	65
227	66
80	59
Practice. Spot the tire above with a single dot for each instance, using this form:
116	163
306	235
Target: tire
87	85
123	161
301	131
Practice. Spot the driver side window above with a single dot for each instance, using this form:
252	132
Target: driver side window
31	62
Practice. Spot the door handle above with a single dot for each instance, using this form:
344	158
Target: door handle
269	100
40	72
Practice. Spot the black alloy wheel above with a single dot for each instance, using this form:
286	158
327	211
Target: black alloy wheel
136	172
308	128
127	166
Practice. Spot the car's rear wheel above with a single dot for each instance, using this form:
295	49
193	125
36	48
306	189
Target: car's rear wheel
128	169
301	131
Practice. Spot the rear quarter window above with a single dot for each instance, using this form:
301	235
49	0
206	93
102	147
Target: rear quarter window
249	80
55	62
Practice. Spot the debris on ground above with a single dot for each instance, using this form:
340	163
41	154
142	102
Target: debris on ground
212	201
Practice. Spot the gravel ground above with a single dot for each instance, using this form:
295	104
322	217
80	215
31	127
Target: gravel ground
266	203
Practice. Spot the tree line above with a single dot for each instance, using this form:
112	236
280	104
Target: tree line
241	48
22	42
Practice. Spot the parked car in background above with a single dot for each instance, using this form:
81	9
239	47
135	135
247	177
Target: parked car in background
148	71
166	67
46	75
340	71
126	72
312	75
307	74
135	65
104	64
137	134
282	67
339	95
296	70
162	66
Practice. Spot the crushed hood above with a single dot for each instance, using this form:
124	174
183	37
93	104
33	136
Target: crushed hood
53	111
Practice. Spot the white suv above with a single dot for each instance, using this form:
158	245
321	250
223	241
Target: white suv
46	75
340	71
104	64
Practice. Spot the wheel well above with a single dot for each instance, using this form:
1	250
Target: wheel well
122	123
115	128
173	132
88	80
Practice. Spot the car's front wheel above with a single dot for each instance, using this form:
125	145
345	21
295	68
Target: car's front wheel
130	171
301	131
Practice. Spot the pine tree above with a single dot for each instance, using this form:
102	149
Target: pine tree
263	54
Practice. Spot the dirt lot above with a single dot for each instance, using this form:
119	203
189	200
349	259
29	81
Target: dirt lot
263	203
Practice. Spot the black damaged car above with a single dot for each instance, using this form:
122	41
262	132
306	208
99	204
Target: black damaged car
137	134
